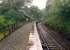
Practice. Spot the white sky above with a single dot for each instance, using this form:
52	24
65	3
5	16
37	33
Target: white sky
1	1
40	3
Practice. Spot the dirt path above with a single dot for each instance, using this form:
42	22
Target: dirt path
17	40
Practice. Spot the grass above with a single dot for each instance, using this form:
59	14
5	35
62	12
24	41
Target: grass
3	34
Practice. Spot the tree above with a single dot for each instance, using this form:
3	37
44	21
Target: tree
65	9
16	3
58	16
36	13
10	8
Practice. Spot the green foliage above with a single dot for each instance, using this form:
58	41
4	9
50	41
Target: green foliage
58	16
36	13
2	20
1	35
10	14
65	9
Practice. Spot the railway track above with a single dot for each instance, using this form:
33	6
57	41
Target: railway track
50	40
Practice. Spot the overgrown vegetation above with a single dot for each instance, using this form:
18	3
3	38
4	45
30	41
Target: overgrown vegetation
36	13
10	15
58	16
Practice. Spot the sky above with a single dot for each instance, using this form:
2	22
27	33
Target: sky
39	3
